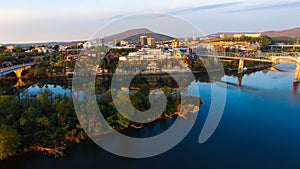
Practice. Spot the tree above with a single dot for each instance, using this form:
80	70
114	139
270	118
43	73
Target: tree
56	48
10	140
265	42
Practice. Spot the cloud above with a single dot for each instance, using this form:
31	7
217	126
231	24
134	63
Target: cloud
36	20
204	7
269	6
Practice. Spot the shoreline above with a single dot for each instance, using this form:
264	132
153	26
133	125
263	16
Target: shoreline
57	150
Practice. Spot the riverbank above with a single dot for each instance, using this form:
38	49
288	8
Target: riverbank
57	150
43	122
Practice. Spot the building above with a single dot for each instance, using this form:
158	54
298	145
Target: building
62	48
101	41
41	49
151	42
175	43
147	54
123	43
253	35
222	36
238	35
143	40
116	42
87	45
10	48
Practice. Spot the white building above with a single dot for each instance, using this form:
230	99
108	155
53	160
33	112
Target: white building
87	45
253	35
62	48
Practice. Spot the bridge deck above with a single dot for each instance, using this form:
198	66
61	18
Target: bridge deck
257	59
7	70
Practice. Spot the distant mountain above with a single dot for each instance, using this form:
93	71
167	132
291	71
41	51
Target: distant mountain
156	36
42	43
293	33
126	34
133	36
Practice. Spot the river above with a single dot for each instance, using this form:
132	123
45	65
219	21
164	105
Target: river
260	128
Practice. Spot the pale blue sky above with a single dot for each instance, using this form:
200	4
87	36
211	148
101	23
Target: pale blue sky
62	20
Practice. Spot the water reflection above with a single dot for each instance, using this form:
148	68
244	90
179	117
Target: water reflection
240	79
295	89
20	83
265	80
266	118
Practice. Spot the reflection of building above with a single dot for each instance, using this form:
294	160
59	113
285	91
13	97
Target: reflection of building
151	42
143	40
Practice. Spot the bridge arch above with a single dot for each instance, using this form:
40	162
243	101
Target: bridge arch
285	58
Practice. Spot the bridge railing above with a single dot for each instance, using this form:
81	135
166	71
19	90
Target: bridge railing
15	67
265	55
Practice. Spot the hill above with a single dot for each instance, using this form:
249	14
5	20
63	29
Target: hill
133	35
292	33
127	34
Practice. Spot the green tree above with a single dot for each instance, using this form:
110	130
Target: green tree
10	140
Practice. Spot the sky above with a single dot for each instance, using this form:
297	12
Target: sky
66	20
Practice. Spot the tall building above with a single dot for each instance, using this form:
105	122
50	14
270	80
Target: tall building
151	42
143	40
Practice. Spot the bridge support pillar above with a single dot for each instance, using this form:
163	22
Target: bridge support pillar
297	73
240	79
241	66
19	73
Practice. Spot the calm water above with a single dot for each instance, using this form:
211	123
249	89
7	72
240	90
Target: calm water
260	128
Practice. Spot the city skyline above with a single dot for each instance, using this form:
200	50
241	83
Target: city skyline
44	21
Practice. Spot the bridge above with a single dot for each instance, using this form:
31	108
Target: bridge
17	69
274	58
